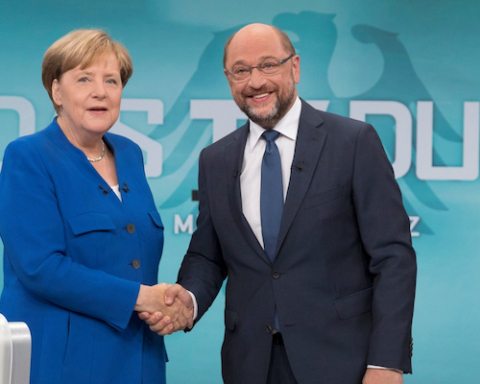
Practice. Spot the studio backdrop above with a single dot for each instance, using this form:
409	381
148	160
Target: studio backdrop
411	68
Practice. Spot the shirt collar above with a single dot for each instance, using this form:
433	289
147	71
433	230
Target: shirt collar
287	126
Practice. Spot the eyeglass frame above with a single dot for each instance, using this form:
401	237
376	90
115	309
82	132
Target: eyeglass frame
259	68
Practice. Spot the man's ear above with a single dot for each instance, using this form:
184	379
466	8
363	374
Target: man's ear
296	68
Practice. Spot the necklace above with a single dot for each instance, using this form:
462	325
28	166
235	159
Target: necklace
74	138
99	157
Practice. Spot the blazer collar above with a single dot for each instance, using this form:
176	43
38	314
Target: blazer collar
60	141
310	142
233	157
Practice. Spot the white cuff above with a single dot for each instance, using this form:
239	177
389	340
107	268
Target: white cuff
390	369
195	305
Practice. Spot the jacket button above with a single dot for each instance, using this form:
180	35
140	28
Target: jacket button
130	228
275	275
135	264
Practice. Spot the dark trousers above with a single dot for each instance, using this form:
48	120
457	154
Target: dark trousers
279	371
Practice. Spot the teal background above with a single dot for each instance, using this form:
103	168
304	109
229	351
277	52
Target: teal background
403	51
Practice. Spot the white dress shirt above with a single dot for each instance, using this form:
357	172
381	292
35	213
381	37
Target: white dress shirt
116	190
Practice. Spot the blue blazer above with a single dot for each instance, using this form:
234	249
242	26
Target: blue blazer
74	258
343	281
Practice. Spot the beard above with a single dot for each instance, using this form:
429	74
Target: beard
268	120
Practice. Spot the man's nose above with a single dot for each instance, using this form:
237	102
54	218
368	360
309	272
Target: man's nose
257	78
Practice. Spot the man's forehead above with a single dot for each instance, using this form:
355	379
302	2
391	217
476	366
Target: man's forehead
254	47
248	36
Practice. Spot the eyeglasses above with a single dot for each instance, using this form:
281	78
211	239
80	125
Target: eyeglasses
270	66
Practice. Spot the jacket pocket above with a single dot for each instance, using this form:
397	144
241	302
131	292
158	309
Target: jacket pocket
230	320
90	222
327	196
354	304
156	219
79	353
92	234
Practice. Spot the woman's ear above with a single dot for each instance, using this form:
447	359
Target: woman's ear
56	94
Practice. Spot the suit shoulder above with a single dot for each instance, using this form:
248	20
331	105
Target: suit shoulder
124	145
232	138
341	127
27	144
121	142
343	121
331	119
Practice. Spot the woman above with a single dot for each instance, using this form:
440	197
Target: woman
82	237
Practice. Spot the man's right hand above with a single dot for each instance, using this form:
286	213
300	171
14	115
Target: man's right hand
174	310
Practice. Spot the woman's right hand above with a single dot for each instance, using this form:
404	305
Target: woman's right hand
166	308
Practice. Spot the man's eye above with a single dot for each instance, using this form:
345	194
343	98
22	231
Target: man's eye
240	70
269	65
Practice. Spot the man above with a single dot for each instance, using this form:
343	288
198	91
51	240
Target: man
320	286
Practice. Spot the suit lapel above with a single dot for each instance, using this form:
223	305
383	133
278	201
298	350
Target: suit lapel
233	155
310	141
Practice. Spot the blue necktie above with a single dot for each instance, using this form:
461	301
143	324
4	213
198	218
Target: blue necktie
271	194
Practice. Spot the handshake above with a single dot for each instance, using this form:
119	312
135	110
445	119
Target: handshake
166	308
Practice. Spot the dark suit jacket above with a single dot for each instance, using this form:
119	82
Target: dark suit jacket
343	281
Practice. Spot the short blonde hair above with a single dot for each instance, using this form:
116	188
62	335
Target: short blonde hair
82	47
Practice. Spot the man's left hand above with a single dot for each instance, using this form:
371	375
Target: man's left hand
382	376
